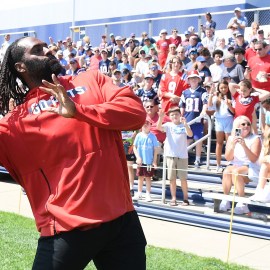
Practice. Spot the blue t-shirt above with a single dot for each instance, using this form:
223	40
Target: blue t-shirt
146	144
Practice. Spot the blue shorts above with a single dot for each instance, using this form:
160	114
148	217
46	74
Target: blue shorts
197	129
224	124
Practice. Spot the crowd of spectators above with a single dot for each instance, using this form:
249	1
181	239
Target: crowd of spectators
228	77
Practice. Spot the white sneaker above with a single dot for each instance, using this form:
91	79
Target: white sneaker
241	208
261	195
224	206
148	197
219	169
257	195
266	194
137	197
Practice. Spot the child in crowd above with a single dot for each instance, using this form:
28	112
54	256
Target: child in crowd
193	103
262	192
145	148
147	92
224	114
175	150
128	137
246	99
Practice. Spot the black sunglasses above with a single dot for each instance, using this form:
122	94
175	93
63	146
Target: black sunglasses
246	124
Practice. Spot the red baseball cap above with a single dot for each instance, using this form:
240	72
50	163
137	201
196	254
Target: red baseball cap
193	73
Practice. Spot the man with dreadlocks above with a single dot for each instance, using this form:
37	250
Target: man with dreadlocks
62	143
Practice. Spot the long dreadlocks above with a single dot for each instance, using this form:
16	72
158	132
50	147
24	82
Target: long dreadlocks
9	77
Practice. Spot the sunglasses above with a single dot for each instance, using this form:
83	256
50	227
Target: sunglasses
118	52
72	63
150	106
97	51
246	124
154	68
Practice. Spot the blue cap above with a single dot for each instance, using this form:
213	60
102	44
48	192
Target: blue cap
200	59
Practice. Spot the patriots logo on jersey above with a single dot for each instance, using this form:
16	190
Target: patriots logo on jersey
245	101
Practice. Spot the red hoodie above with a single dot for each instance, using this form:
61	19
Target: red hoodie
72	169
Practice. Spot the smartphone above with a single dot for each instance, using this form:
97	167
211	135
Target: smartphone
238	132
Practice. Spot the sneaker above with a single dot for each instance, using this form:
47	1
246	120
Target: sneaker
132	193
148	198
197	164
224	206
241	208
137	197
219	169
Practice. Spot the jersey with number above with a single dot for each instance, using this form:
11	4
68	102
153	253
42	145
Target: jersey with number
104	66
192	101
171	84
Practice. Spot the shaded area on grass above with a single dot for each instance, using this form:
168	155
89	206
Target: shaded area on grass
18	241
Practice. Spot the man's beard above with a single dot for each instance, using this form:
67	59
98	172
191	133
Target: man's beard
43	69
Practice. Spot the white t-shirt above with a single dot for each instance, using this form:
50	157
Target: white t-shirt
175	144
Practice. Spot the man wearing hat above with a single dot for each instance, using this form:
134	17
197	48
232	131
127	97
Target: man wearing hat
144	35
239	21
193	54
148	45
74	67
62	61
111	45
118	46
142	67
193	103
117	78
194	43
147	92
86	57
240	41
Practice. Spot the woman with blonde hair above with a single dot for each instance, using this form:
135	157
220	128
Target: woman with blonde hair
242	150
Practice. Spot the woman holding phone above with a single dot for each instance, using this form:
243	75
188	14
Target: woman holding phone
242	150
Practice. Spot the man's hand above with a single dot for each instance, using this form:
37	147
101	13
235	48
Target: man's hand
66	106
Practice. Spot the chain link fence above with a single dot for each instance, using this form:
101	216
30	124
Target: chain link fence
154	25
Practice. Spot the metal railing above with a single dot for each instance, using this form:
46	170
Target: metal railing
21	34
207	136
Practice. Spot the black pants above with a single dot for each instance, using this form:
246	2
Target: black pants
115	245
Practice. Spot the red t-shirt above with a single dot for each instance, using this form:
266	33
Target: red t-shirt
245	106
177	41
259	64
161	136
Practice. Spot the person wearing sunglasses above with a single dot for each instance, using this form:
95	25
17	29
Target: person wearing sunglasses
175	38
259	72
242	151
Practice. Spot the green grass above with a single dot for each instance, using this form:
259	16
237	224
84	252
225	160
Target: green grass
18	240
